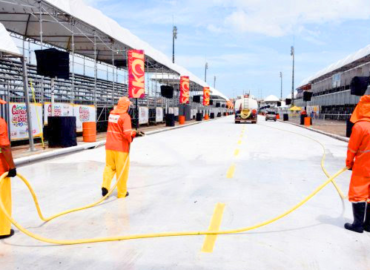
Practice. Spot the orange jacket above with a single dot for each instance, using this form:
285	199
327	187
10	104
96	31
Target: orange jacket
4	141
358	153
119	134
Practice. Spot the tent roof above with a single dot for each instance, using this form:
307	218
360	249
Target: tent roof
7	44
62	17
271	98
352	60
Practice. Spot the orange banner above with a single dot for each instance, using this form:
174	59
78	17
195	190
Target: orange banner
136	74
184	89
206	96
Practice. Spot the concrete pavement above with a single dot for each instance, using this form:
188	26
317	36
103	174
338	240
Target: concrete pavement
176	181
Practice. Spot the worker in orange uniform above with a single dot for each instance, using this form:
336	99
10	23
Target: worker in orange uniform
6	165
117	146
358	159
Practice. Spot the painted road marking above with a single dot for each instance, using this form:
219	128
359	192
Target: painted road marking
236	153
210	240
240	142
230	171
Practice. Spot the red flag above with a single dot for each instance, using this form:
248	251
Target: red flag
136	74
206	96
184	90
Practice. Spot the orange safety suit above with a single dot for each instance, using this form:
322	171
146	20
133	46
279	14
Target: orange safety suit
117	146
5	187
358	153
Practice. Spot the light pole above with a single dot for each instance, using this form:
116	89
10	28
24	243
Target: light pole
281	89
205	72
214	82
292	54
174	36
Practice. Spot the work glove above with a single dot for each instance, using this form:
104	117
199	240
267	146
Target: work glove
133	134
12	172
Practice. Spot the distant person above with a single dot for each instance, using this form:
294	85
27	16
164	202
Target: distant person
6	165
358	159
119	138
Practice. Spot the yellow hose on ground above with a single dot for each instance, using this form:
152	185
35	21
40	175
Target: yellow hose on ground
322	159
83	241
156	235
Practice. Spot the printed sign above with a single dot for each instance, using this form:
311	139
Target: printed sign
176	111
60	109
158	115
143	115
184	89
136	74
206	96
18	120
84	113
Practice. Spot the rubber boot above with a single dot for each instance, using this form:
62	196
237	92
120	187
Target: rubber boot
358	215
7	236
367	219
104	191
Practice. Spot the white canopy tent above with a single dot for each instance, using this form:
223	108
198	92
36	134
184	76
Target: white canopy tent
74	26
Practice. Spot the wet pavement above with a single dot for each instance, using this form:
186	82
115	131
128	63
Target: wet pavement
177	180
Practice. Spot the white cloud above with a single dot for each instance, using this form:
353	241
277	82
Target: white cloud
278	18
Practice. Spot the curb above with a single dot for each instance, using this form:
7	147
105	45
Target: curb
338	137
65	151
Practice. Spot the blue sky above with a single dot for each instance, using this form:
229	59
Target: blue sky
247	42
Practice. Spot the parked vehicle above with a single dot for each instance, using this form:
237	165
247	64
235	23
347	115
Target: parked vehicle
271	115
246	110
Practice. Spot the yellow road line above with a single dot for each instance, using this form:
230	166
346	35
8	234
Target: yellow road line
240	142
210	240
236	152
230	171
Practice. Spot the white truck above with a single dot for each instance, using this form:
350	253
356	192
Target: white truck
246	110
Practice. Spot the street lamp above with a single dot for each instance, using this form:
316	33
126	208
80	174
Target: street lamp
174	36
281	89
292	54
205	72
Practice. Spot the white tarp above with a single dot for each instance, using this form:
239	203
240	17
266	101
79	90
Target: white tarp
7	44
84	113
18	120
143	115
158	115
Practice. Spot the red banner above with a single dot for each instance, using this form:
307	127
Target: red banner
136	74
184	90
206	96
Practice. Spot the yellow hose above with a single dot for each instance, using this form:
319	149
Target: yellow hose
322	159
155	235
166	234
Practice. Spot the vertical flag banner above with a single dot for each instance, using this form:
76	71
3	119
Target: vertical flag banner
206	96
184	90
136	74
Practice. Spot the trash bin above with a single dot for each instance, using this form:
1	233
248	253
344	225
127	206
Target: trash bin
307	121
303	116
286	117
170	120
199	116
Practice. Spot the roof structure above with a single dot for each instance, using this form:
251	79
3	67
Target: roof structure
94	34
7	45
360	57
271	98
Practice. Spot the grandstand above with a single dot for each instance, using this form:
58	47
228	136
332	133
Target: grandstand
331	86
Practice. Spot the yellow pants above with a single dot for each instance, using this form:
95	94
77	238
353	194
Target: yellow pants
114	163
6	197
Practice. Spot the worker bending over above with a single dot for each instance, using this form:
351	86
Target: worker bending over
117	146
358	159
6	165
